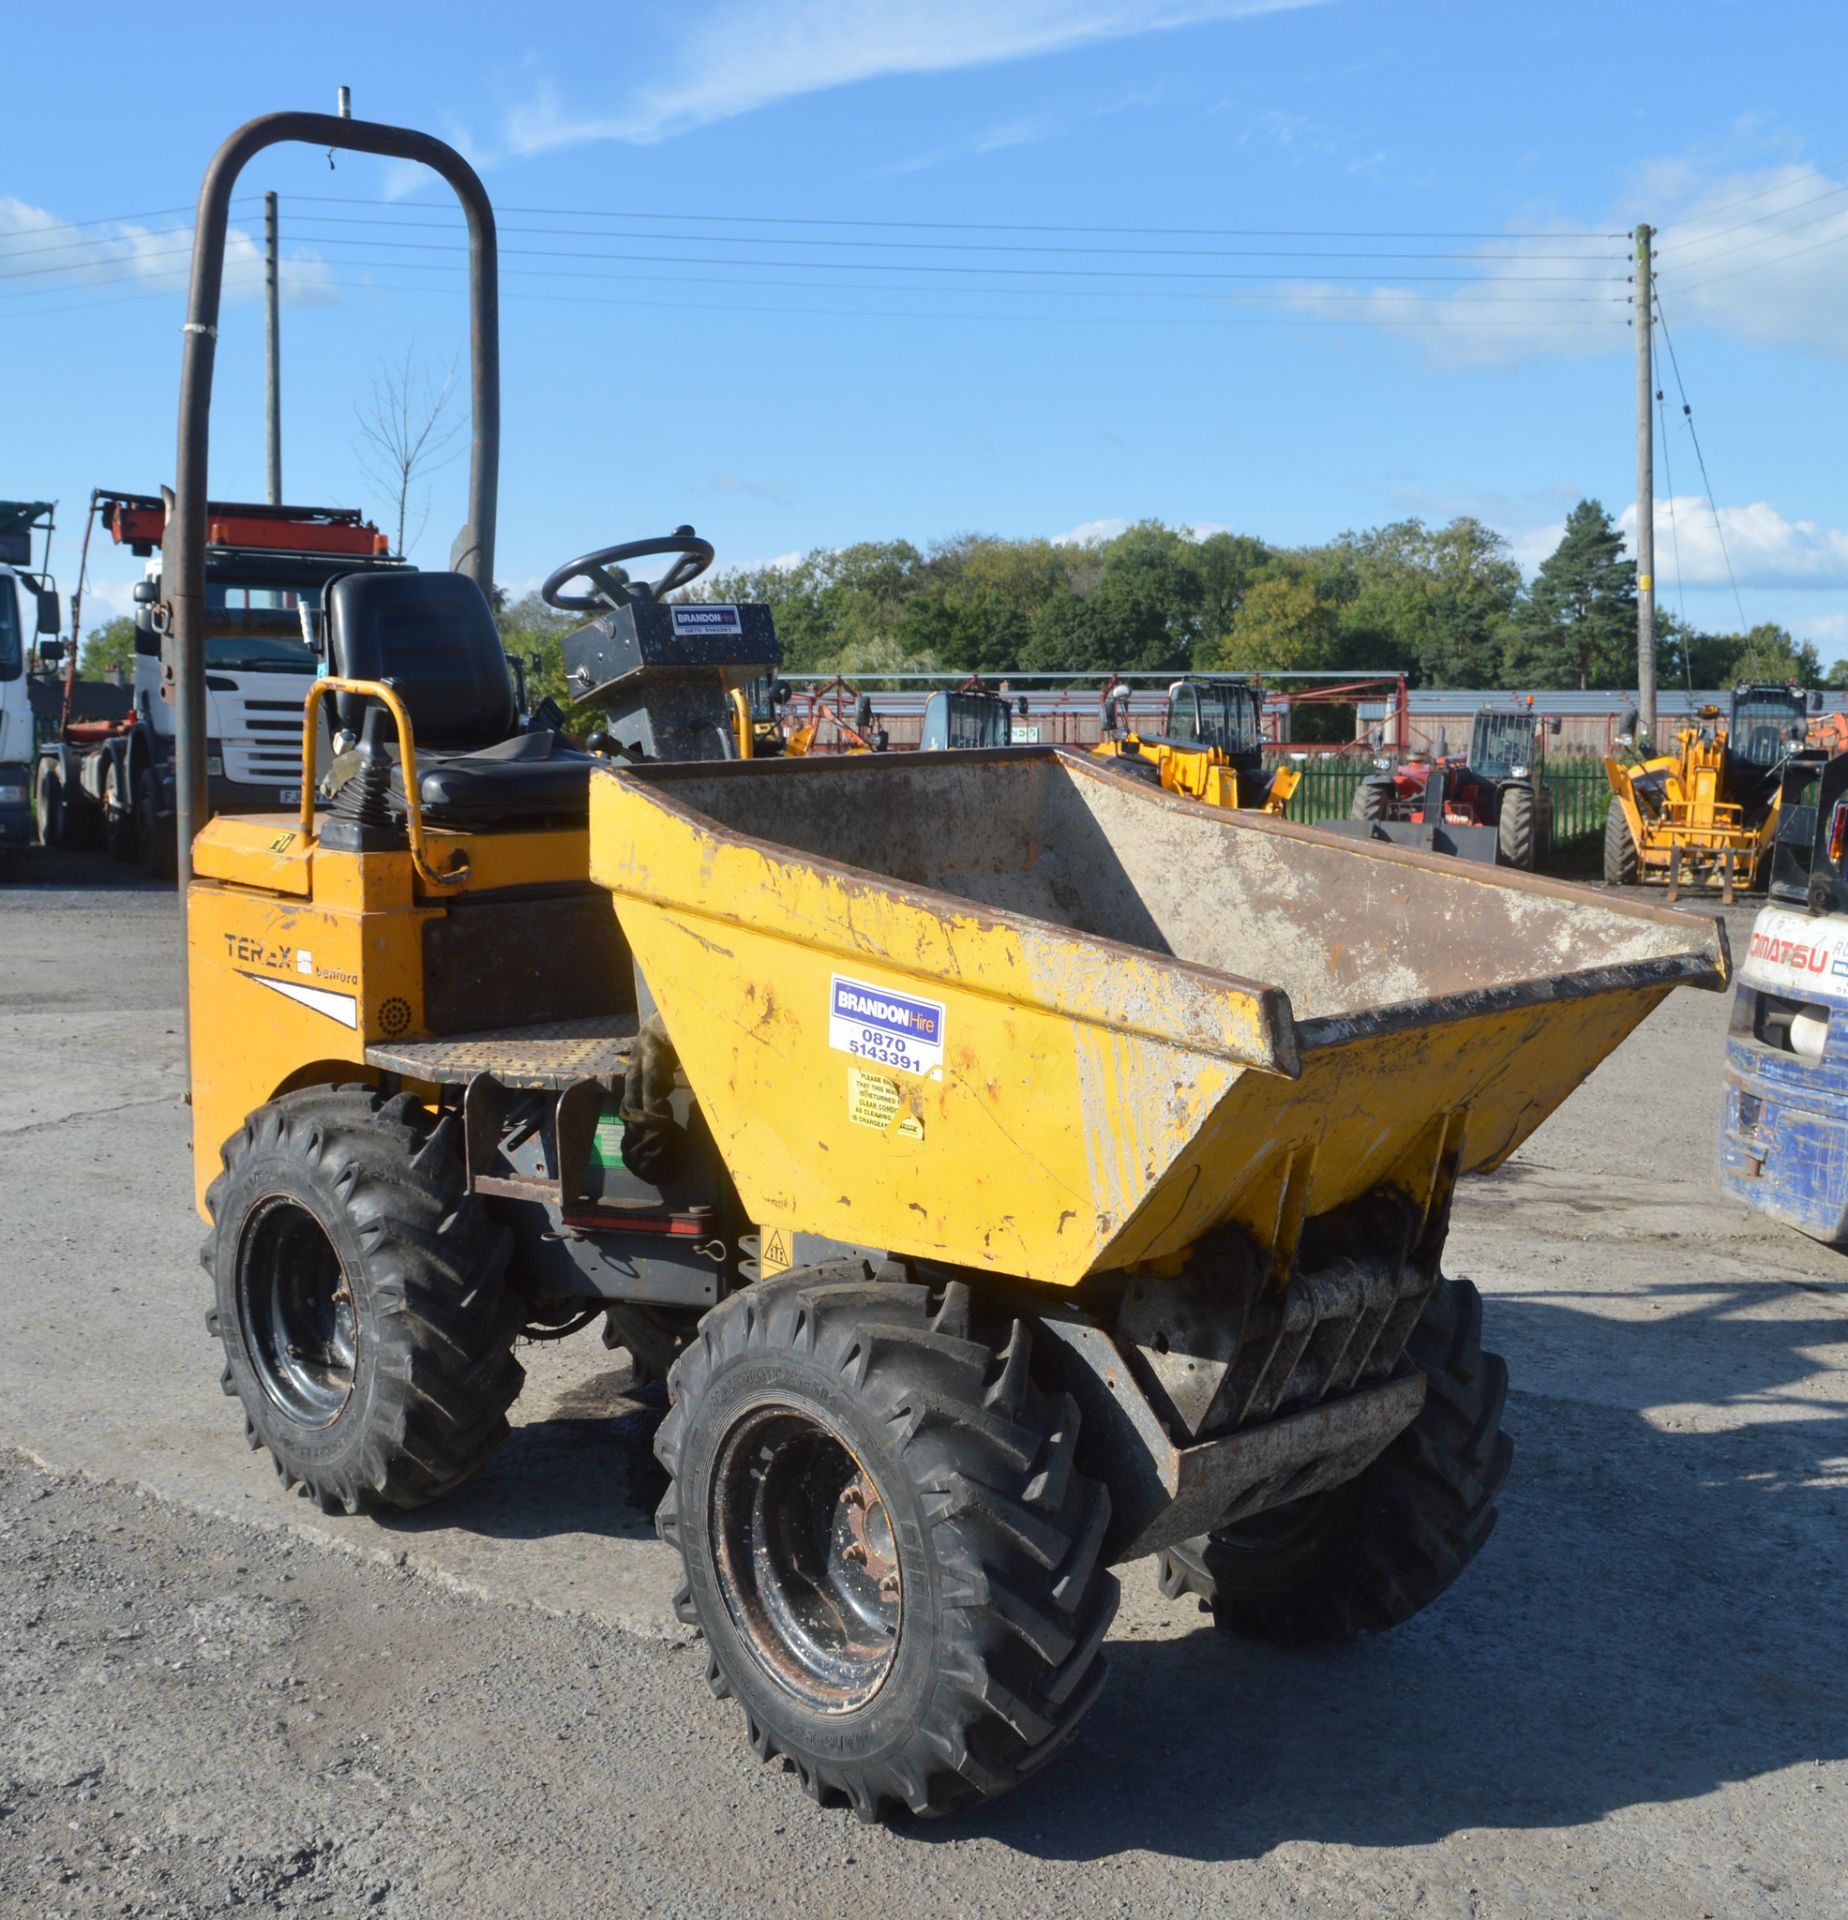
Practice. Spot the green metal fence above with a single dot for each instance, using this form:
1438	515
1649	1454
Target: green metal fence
1581	794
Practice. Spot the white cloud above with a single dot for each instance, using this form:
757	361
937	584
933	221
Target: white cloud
1828	632
1767	550
745	54
1091	533
42	258
1516	300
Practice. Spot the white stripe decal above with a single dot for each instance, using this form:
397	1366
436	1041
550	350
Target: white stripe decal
337	1006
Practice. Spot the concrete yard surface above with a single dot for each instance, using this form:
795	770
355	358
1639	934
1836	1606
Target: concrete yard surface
215	1699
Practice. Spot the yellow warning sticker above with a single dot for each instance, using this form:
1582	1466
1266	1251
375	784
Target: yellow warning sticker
872	1101
776	1252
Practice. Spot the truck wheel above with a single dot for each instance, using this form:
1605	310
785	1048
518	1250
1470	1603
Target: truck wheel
1619	847
118	814
359	1298
50	805
1516	838
1368	1555
885	1538
155	838
1372	800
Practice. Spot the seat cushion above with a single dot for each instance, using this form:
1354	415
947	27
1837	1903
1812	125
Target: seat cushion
530	777
432	635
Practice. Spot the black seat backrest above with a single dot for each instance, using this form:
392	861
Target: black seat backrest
432	635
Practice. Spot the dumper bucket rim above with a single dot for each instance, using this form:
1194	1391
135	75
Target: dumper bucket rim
1288	1036
1274	1020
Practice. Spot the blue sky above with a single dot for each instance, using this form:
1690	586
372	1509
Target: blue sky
811	271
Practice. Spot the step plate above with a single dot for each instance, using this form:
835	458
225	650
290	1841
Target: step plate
554	1053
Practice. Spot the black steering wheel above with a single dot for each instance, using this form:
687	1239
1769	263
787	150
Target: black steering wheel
610	583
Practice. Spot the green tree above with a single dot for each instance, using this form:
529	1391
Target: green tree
1768	652
110	645
1285	626
1577	626
528	627
1686	657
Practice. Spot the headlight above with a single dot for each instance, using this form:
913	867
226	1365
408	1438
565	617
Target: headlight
12	796
1520	773
1381	761
215	765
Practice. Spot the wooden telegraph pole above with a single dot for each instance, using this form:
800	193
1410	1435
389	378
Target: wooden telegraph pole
1645	494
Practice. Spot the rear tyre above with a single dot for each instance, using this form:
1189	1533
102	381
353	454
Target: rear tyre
118	814
1372	800
653	1337
1516	832
359	1299
50	809
155	838
886	1538
1367	1555
1619	847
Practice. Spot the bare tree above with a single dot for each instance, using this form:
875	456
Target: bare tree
407	432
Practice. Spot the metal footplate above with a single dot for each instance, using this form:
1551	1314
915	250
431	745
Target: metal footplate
553	1055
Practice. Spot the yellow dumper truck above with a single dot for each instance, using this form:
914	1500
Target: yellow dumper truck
1005	1203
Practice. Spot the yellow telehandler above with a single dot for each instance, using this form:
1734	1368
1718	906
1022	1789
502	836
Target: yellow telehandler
1023	1168
1707	813
1210	748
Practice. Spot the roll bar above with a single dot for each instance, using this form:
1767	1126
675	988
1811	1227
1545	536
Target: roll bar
473	553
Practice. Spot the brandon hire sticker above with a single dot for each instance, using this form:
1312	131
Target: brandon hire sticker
720	621
889	1029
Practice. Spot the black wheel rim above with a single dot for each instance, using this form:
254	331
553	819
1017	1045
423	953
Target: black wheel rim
806	1558
296	1311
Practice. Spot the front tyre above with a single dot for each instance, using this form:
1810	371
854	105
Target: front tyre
1372	800
359	1299
155	837
885	1538
1620	861
118	814
1367	1555
1516	829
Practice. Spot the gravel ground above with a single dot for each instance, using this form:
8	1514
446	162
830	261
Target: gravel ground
217	1700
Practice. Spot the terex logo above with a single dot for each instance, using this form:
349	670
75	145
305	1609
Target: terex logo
247	952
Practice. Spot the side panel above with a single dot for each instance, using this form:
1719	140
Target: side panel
277	987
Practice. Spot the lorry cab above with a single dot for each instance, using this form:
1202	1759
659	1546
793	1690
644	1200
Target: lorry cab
29	610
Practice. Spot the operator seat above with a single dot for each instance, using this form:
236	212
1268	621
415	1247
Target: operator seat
432	635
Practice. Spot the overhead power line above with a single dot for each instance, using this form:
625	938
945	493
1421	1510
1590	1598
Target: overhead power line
1751	226
1764	266
1687	413
1766	239
721	308
974	226
919	246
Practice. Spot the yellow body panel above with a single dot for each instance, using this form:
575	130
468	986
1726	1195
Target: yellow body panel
1203	773
298	955
1095	1105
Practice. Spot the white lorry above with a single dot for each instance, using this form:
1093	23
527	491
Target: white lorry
29	611
109	776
